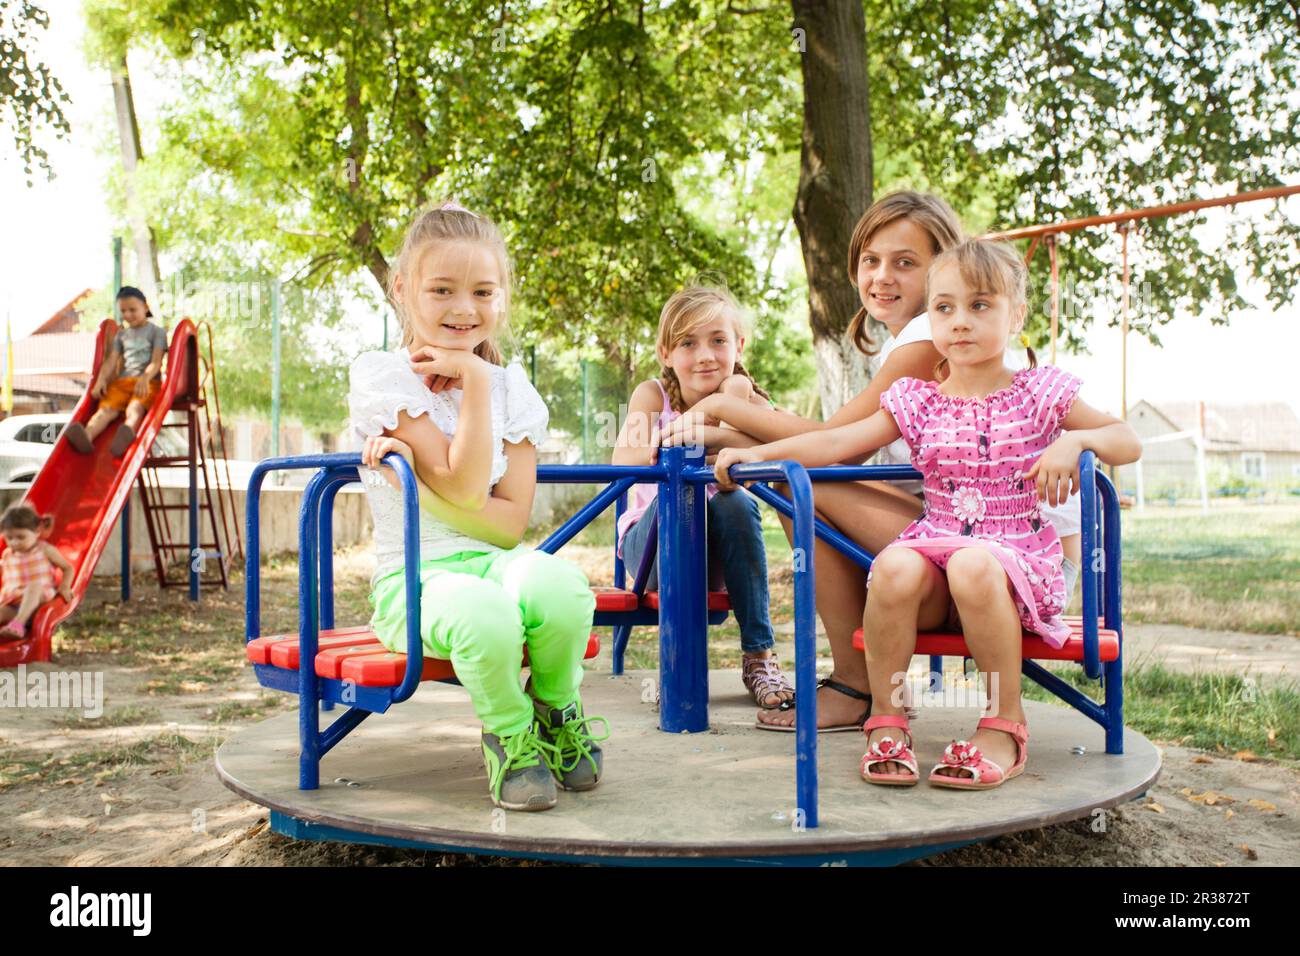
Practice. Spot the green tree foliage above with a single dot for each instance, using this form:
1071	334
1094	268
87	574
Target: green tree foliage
31	97
626	148
1065	110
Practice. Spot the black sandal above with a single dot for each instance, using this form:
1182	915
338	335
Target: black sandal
834	685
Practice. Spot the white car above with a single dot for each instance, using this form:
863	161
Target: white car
27	440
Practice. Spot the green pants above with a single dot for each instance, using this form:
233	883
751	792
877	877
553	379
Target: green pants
479	611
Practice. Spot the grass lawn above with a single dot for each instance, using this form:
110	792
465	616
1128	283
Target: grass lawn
1235	569
1207	711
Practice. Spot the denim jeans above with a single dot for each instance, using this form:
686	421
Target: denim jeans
736	557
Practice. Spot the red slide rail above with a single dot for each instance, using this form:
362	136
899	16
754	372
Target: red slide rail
86	493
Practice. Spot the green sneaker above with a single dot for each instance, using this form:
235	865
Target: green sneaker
518	768
574	756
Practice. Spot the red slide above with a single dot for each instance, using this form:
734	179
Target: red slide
85	493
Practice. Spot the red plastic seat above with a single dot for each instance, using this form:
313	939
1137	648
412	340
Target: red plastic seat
614	599
355	654
259	649
386	669
1035	648
329	662
285	653
718	600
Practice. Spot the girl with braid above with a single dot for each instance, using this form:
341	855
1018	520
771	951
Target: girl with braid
702	334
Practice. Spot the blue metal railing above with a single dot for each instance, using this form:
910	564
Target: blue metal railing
683	639
315	589
682	619
1099	576
683	625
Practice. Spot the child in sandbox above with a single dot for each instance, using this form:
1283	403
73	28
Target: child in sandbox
129	377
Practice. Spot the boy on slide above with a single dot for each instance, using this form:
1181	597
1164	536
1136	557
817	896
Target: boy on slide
129	378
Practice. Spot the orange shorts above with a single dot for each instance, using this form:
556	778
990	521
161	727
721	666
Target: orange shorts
121	393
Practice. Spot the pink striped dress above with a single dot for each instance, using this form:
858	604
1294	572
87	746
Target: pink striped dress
973	454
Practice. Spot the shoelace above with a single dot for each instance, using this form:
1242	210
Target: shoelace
524	749
575	738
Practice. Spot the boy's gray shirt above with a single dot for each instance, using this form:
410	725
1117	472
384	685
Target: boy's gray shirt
136	347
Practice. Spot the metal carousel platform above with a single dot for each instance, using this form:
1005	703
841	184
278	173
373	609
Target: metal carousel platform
414	778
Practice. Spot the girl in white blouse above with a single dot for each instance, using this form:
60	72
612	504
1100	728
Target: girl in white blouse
470	428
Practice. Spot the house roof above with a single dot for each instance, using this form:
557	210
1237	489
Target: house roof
53	363
62	353
67	319
1237	426
51	385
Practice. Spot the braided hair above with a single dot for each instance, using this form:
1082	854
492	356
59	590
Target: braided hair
684	312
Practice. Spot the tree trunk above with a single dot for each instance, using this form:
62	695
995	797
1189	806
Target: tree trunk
363	237
834	182
128	133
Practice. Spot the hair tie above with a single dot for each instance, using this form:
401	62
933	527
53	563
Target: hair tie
450	206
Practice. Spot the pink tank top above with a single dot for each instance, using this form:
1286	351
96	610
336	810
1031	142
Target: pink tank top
639	496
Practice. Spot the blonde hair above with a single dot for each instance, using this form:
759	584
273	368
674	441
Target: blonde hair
684	312
928	211
986	266
448	222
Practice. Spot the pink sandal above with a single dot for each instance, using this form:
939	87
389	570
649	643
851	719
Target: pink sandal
985	774
888	749
13	631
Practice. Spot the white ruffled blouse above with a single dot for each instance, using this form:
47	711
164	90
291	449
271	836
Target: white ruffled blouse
381	385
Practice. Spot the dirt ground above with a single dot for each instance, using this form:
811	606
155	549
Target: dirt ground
137	786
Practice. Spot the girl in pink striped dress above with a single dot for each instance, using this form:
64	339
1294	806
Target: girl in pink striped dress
27	569
992	445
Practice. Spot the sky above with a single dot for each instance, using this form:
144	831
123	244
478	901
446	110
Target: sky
59	241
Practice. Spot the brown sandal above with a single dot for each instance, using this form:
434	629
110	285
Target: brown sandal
763	678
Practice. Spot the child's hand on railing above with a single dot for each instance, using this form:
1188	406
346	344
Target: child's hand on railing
1056	473
686	430
374	450
732	456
